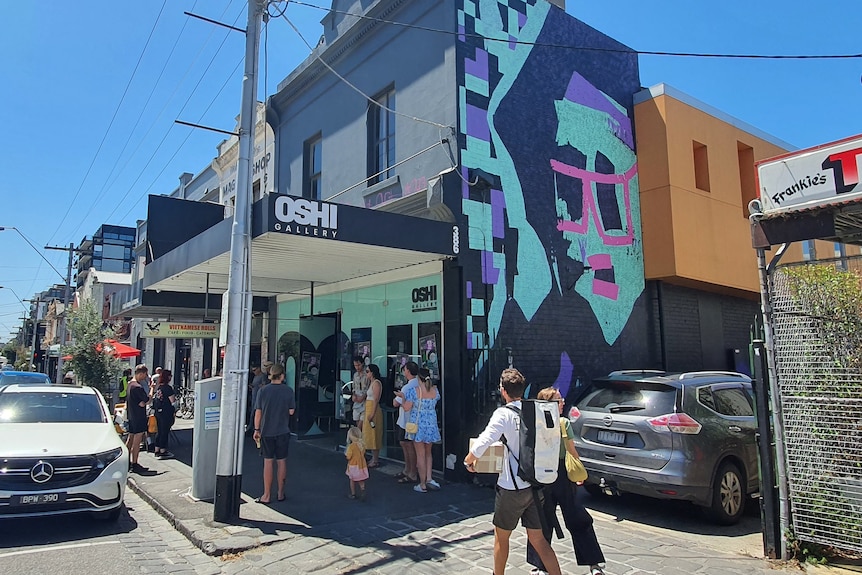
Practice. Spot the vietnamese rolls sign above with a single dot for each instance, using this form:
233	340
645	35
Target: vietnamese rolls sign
815	177
181	330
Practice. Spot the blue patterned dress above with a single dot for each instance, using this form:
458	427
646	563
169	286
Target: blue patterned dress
424	413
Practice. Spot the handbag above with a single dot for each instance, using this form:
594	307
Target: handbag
575	470
412	427
152	424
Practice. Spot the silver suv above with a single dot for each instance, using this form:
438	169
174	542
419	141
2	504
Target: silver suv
687	436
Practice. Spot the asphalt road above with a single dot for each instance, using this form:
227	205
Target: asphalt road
80	544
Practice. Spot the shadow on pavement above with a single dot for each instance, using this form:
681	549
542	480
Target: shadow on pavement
34	531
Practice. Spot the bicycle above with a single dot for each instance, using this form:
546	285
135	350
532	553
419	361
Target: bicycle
187	404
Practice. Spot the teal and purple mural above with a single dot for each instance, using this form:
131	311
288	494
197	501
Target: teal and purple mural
554	265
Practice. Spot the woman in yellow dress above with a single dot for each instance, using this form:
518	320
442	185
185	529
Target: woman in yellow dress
372	429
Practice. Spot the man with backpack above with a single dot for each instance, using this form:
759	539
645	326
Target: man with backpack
516	497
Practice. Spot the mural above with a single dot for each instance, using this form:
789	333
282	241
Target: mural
555	267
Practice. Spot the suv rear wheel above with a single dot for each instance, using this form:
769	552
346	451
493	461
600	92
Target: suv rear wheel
728	495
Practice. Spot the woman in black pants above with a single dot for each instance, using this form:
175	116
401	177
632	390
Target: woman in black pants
164	398
565	494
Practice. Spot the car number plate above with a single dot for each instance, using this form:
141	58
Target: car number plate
612	437
38	499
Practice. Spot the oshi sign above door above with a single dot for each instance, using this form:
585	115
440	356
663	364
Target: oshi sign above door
820	176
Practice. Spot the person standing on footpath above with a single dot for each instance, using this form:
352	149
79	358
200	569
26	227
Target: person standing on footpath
357	468
360	390
565	494
421	405
124	385
411	472
372	430
274	405
515	498
136	414
164	398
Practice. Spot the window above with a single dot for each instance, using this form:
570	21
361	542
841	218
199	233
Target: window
313	161
732	401
381	138
745	155
701	167
255	190
808	251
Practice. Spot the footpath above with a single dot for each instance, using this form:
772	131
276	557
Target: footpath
318	530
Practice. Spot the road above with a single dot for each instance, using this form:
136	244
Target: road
141	541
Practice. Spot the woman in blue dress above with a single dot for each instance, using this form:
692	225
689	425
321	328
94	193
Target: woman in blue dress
421	403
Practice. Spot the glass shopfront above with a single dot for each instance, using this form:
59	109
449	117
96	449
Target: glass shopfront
387	324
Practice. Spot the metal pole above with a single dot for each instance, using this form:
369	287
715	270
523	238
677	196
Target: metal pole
66	295
35	329
234	381
774	392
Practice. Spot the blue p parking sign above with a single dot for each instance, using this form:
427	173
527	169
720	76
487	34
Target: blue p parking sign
213	395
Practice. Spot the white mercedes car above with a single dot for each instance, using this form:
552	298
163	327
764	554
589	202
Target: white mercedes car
59	453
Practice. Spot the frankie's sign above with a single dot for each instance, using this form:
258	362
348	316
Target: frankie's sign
305	217
827	174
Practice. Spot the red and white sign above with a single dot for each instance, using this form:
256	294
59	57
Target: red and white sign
827	174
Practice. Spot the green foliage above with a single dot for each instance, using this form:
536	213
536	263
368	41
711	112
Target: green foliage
805	552
834	298
92	366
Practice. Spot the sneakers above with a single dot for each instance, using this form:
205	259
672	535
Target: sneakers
596	570
164	455
419	489
138	468
433	485
537	571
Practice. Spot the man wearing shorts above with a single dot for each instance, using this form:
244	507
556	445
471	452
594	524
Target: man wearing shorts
410	473
515	498
274	404
136	415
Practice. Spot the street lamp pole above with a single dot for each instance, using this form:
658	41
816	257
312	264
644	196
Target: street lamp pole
235	380
66	296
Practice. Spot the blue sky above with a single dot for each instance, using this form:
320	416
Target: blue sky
78	153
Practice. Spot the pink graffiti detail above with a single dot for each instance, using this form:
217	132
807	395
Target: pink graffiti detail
606	289
590	202
600	261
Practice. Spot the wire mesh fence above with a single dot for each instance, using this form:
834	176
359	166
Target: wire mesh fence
817	326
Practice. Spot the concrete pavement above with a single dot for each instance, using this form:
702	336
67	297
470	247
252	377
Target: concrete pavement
318	530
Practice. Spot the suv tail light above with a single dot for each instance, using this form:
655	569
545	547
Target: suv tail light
574	414
675	423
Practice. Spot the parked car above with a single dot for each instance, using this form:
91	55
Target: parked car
8	377
687	436
59	452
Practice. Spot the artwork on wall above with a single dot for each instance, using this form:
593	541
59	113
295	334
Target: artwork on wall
309	370
360	339
429	355
553	218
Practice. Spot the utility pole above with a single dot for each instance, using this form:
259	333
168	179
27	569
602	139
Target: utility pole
35	329
235	380
66	296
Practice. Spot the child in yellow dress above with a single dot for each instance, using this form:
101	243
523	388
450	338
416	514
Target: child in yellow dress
357	468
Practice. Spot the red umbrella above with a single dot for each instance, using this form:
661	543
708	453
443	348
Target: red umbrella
113	346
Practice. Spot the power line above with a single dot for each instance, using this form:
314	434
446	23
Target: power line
593	48
170	98
110	124
138	121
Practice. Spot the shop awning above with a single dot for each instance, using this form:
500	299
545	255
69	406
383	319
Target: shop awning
118	349
296	242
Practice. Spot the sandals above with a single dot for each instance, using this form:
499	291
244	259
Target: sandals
372	465
406	479
399	475
262	502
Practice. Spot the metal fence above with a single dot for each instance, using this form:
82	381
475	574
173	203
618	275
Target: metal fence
817	357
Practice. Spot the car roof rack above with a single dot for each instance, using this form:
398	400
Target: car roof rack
637	372
691	374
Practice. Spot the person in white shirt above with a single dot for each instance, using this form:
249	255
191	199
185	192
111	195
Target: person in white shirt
515	498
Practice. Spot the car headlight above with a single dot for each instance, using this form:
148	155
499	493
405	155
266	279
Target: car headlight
106	458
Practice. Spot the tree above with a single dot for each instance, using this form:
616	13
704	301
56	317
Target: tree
92	366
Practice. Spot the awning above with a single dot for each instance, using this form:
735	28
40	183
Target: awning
298	241
118	349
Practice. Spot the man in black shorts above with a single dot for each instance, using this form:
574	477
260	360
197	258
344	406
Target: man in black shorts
274	404
136	415
515	499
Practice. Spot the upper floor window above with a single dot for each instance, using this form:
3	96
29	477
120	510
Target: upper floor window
808	251
701	166
381	137
313	161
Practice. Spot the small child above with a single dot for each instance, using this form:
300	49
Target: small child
357	468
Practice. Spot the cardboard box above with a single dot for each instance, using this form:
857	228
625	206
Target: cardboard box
492	460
